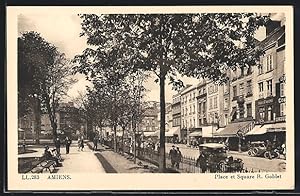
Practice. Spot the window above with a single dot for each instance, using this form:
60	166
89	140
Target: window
260	69
249	87
270	116
204	121
194	96
282	109
269	88
182	123
226	88
190	109
210	103
225	119
261	89
204	107
200	109
200	122
215	102
249	110
249	70
281	93
194	109
261	111
241	89
234	91
216	88
186	111
226	104
194	122
269	62
191	125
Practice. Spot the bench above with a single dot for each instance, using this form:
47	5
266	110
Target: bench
42	164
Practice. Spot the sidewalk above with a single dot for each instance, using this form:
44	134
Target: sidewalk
116	163
79	161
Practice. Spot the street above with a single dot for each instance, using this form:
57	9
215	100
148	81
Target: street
255	163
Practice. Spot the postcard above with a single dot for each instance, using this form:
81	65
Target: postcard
150	98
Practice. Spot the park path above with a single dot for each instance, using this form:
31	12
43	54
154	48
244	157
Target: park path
80	161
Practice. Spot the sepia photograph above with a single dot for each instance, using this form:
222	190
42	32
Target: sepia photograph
184	92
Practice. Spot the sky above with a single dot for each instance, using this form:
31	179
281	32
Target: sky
63	31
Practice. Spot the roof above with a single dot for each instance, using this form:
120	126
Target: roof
273	37
190	88
231	129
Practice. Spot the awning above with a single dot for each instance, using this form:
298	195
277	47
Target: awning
277	127
148	133
195	134
173	131
257	130
21	130
231	129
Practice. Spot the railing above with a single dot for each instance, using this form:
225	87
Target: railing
186	165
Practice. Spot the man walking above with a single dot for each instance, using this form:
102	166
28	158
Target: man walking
95	141
173	155
68	143
178	158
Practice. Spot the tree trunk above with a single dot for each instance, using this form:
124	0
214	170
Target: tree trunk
115	137
123	131
162	155
37	119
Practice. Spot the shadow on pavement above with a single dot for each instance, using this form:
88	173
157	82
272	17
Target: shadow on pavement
106	165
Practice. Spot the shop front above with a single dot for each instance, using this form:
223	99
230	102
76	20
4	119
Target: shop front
234	135
265	110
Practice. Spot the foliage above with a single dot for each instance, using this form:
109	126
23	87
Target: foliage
43	74
195	45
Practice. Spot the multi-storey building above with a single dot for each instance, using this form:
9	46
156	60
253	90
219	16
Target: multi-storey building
150	121
270	72
257	93
202	103
213	98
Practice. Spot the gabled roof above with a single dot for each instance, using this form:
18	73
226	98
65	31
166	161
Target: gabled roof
273	37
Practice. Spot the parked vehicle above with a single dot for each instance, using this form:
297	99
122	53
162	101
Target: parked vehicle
257	149
213	158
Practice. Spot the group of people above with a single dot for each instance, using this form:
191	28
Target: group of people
176	156
55	154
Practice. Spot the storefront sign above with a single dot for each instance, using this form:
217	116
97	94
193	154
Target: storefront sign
282	78
280	119
265	101
281	100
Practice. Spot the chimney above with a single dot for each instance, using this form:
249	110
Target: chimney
271	26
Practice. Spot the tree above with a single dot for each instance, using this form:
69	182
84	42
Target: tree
34	54
194	45
44	76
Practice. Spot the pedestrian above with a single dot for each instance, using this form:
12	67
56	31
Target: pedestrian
57	145
178	158
95	141
173	155
81	143
68	142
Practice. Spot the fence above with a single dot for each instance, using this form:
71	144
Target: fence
187	164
